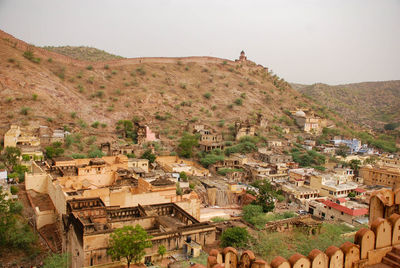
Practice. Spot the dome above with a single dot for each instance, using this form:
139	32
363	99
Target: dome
300	113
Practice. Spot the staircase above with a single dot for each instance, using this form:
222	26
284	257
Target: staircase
392	258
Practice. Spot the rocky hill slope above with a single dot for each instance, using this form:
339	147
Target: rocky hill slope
38	86
372	104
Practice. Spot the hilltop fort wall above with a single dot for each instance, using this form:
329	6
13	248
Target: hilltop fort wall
40	52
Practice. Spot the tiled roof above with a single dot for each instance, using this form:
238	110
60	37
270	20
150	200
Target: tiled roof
349	211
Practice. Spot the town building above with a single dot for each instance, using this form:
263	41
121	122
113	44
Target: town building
144	134
309	122
340	210
209	141
380	175
88	224
273	158
243	129
274	143
138	165
107	178
26	140
299	194
333	186
177	165
48	136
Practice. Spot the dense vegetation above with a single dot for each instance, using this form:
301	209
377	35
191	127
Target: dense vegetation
300	240
15	233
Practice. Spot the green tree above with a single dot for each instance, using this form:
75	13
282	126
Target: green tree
352	194
14	232
130	243
342	151
187	142
265	196
149	156
162	250
11	156
57	261
126	127
251	211
54	150
234	237
355	165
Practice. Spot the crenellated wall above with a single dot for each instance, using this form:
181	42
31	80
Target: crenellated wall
370	246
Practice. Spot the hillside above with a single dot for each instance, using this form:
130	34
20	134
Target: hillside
83	53
40	87
371	104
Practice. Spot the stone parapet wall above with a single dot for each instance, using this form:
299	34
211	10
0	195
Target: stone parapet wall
369	247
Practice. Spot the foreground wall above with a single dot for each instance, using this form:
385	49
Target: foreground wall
370	246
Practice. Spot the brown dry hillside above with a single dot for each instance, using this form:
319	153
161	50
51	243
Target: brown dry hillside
370	103
166	93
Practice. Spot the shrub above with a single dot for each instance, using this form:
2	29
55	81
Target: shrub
14	189
183	176
238	101
224	171
106	67
89	67
73	115
95	124
149	156
81	88
207	95
99	94
245	147
141	71
78	156
217	219
30	56
234	237
34	97
185	147
25	110
210	159
95	153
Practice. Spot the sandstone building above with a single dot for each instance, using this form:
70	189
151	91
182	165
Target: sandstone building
380	175
88	223
26	140
309	122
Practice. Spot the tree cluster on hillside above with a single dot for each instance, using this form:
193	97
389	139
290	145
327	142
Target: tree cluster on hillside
265	195
14	231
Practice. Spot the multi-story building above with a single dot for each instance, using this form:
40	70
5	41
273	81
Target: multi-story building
26	140
380	175
88	223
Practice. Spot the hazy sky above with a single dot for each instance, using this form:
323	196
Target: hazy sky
330	41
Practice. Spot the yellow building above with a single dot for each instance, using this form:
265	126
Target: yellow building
380	175
28	143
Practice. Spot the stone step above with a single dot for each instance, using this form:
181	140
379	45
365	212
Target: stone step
393	256
390	262
396	249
